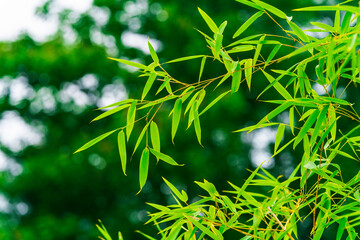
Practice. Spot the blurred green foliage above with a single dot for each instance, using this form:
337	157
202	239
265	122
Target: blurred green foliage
65	194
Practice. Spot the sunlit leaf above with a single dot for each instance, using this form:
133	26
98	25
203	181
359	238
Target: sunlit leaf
153	53
213	102
155	136
174	190
236	79
272	54
176	118
307	125
122	150
279	136
110	112
133	64
271	9
248	71
94	141
185	58
303	37
144	167
141	136
202	67
164	157
148	85
130	119
209	21
247	23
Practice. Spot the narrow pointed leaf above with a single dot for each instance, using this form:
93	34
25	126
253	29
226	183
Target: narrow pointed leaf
155	137
141	136
174	190
248	71
153	53
130	119
122	150
319	122
291	119
213	102
271	9
117	104
246	2
303	37
185	58
144	167
164	157
197	127
236	79
279	88
248	23
110	112
272	54
218	44
305	128
148	85
176	118
94	141
279	136
202	67
258	49
133	64
209	21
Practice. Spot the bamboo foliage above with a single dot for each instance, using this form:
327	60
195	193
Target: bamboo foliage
312	127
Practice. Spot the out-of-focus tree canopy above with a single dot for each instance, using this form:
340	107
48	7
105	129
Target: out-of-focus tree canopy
53	194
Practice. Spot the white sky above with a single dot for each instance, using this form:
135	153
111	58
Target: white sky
17	16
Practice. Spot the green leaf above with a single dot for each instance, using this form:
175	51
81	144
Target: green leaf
197	127
241	48
236	79
303	37
110	112
155	136
153	53
279	136
319	122
144	167
191	102
248	23
279	88
148	85
185	58
222	27
202	67
223	79
166	82
310	165
307	125
213	102
141	136
341	228
323	26
248	71
271	9
117	104
345	22
246	2
130	119
176	118
272	54
218	44
331	8
258	49
291	119
275	112
122	150
94	141
209	21
174	190
133	64
164	157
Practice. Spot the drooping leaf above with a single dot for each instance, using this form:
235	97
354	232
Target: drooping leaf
297	30
94	141
144	167
164	157
213	102
197	127
141	136
236	79
153	53
275	83
209	21
291	119
148	85
248	23
307	125
155	136
130	119
176	118
218	44
248	71
202	67
122	150
272	54
174	190
258	49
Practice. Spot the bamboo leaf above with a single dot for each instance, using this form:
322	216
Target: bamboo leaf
258	49
236	79
248	71
202	67
341	228
218	44
246	2
110	112
148	85
291	119
133	64
241	48
222	27
271	9
209	21
155	137
94	141
345	22
164	157
166	81
185	58
272	54
303	37
275	112
176	118
130	119
275	83
117	104
307	125
197	127
191	102
174	190
213	102
153	53
144	167
248	23
331	8
122	150
141	136
223	79
279	136
321	119
323	26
